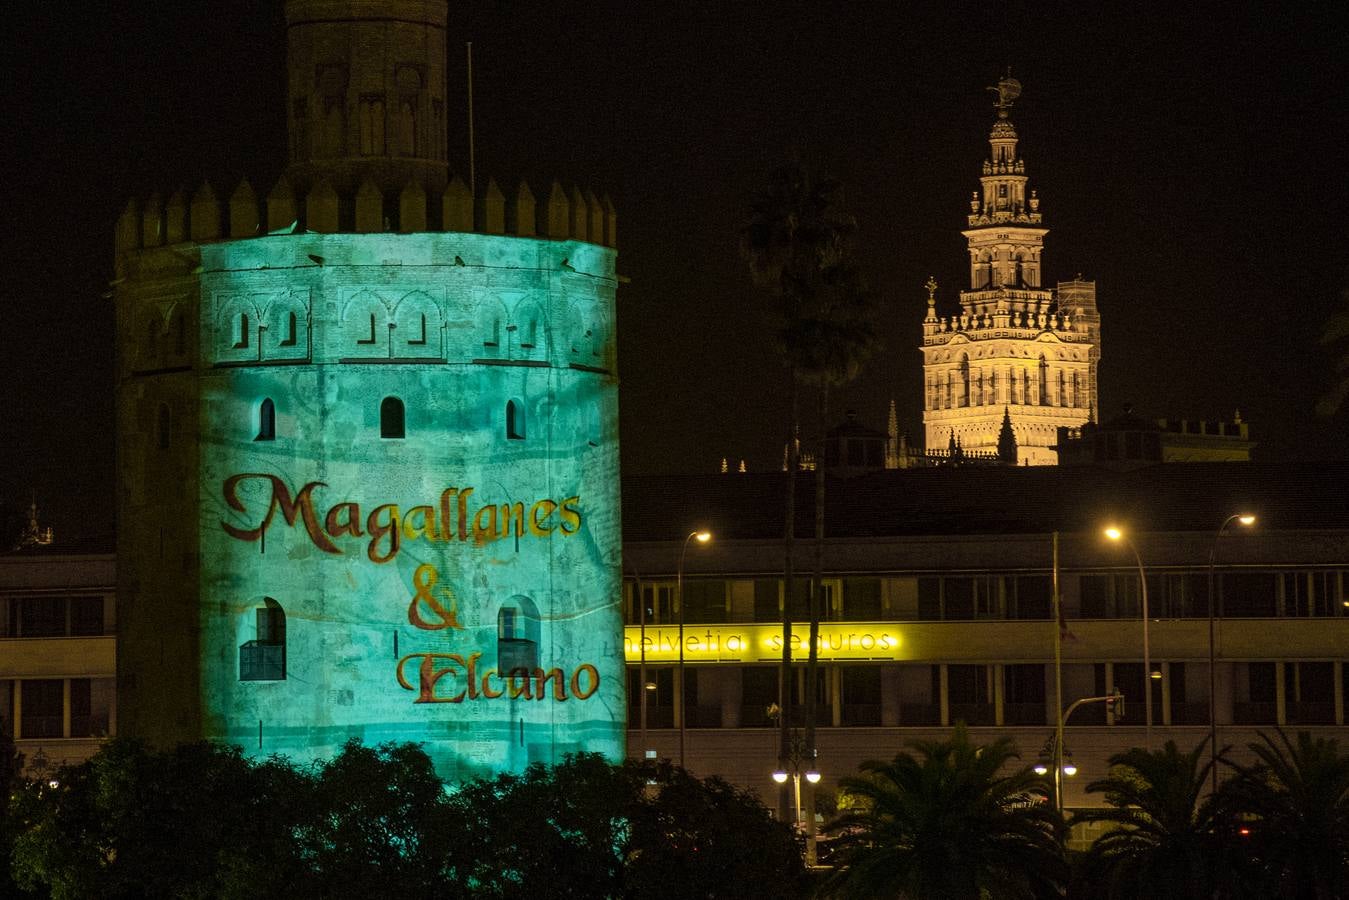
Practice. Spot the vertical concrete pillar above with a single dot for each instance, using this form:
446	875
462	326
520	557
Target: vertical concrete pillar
835	675
944	699
1110	689
1226	690
890	696
732	695
1337	673
1280	686
998	695
1166	693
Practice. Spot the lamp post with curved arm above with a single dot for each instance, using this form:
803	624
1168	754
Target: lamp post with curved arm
701	537
1248	520
1116	534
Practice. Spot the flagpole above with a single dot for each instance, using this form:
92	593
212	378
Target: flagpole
1058	679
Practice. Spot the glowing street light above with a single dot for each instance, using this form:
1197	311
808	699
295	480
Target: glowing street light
701	537
796	757
1116	534
1247	520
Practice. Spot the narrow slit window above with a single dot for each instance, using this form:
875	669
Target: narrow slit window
529	335
420	340
266	420
370	339
515	420
493	336
391	418
291	331
241	335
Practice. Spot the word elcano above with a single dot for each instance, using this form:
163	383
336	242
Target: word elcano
387	526
518	683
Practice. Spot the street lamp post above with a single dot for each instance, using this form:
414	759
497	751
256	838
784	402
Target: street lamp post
1115	534
702	537
1248	520
795	758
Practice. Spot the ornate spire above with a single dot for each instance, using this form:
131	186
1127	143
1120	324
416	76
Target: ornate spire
1007	439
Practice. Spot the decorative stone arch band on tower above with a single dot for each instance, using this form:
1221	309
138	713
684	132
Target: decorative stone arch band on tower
338	436
1014	348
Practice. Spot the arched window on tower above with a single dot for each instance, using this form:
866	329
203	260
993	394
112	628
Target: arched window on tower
1063	390
392	423
1043	385
966	393
266	420
241	331
515	420
264	657
517	636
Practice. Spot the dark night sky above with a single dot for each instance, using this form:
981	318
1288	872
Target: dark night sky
1190	161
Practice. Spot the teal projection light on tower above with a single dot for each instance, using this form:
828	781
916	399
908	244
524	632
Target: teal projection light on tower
368	436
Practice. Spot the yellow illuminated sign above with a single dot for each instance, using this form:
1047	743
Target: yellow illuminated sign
762	642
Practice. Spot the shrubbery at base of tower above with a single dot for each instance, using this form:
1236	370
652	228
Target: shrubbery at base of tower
201	820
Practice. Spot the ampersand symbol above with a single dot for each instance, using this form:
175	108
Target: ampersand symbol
423	582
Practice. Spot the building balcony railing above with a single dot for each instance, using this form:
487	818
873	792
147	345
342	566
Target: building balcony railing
1023	713
861	715
1310	712
1189	713
926	714
1263	713
973	713
41	727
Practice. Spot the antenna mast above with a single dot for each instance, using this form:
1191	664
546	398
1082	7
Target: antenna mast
472	180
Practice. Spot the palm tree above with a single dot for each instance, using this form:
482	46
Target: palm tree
1297	799
1337	333
945	821
794	243
1165	842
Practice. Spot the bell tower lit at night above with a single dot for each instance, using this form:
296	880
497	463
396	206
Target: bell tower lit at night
1015	348
368	478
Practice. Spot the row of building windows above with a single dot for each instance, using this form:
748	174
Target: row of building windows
1315	593
38	708
48	615
1020	694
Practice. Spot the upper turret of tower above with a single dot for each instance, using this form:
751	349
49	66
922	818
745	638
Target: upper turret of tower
1004	199
366	93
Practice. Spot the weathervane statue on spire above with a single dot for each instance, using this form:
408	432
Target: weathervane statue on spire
1008	90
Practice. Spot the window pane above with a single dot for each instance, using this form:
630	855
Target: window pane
766	609
42	616
1248	594
704	600
43	704
86	615
862	599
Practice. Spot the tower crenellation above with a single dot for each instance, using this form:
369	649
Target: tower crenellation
366	209
1018	359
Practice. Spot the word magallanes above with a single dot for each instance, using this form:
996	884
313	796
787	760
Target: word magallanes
454	517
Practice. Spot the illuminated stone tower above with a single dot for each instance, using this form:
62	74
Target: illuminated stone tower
368	436
1015	347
